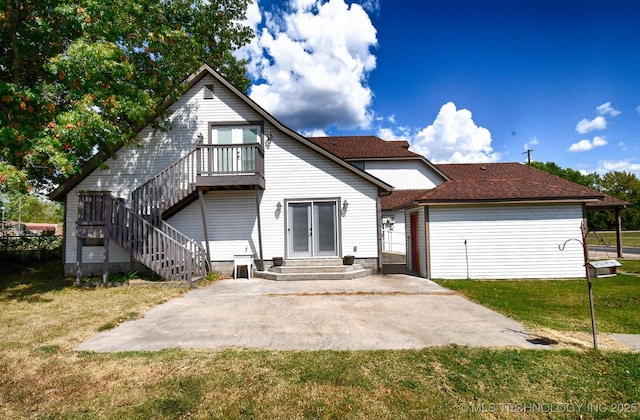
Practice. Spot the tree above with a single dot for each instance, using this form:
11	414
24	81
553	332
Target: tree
77	80
625	186
622	185
588	180
29	208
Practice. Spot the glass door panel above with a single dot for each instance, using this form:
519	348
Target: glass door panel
325	229
300	230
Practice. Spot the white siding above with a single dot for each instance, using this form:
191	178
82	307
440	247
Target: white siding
507	241
293	172
404	174
191	115
395	239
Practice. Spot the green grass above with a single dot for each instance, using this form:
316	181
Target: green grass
44	317
562	304
630	238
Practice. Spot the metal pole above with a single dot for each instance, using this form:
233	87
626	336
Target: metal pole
585	249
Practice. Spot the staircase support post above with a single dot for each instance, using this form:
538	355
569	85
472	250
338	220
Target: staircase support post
79	245
204	223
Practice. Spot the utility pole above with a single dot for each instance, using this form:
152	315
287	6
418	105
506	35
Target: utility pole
528	152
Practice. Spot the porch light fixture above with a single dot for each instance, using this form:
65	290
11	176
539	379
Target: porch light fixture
200	138
278	208
268	135
345	205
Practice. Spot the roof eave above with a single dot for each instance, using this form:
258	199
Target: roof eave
468	202
59	193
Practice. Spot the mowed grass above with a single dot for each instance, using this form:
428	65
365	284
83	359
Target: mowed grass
43	317
563	304
630	238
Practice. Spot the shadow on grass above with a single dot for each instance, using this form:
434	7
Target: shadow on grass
28	280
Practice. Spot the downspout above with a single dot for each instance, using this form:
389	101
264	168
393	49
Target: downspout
204	224
379	232
259	228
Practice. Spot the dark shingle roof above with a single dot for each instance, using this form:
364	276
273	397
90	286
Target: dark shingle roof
469	182
504	182
400	198
365	147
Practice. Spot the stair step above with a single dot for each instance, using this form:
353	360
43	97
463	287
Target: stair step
286	269
348	275
312	262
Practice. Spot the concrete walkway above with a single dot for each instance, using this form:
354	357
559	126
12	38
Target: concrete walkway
376	312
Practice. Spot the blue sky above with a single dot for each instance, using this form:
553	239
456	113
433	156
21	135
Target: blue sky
463	81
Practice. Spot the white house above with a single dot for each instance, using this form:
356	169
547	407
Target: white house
226	179
494	220
229	183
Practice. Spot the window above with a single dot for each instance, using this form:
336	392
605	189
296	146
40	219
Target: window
237	157
208	91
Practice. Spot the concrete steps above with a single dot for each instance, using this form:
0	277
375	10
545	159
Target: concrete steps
314	269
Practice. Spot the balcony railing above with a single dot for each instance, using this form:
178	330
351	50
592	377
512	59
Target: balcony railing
230	159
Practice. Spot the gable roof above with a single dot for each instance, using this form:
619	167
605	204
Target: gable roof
504	182
399	199
62	190
355	148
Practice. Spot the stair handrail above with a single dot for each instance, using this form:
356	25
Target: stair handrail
148	244
167	188
201	259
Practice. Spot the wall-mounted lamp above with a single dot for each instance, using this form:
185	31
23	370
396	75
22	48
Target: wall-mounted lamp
200	138
268	135
278	209
345	205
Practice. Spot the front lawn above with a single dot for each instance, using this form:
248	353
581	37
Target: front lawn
43	317
562	304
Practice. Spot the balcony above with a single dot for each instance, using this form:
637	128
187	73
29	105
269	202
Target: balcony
230	166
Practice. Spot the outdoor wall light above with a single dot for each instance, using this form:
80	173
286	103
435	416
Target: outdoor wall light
200	138
345	205
278	207
268	135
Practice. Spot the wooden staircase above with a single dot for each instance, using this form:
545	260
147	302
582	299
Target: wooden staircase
163	249
141	231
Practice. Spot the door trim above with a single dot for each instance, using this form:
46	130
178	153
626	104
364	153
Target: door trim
338	226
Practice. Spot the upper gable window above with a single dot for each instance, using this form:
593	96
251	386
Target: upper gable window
358	164
208	91
245	134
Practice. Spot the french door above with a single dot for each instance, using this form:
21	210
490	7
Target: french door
232	156
312	228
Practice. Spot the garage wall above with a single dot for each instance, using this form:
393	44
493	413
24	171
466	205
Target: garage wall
505	241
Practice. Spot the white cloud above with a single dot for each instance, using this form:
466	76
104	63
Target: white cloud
310	64
638	109
585	125
586	144
607	109
618	165
253	16
454	138
399	133
314	133
533	142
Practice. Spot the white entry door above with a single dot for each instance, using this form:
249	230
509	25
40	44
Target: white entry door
312	228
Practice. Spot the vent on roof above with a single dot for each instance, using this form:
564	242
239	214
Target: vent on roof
208	91
483	168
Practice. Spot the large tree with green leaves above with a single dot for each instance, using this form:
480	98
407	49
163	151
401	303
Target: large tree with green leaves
623	185
79	77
